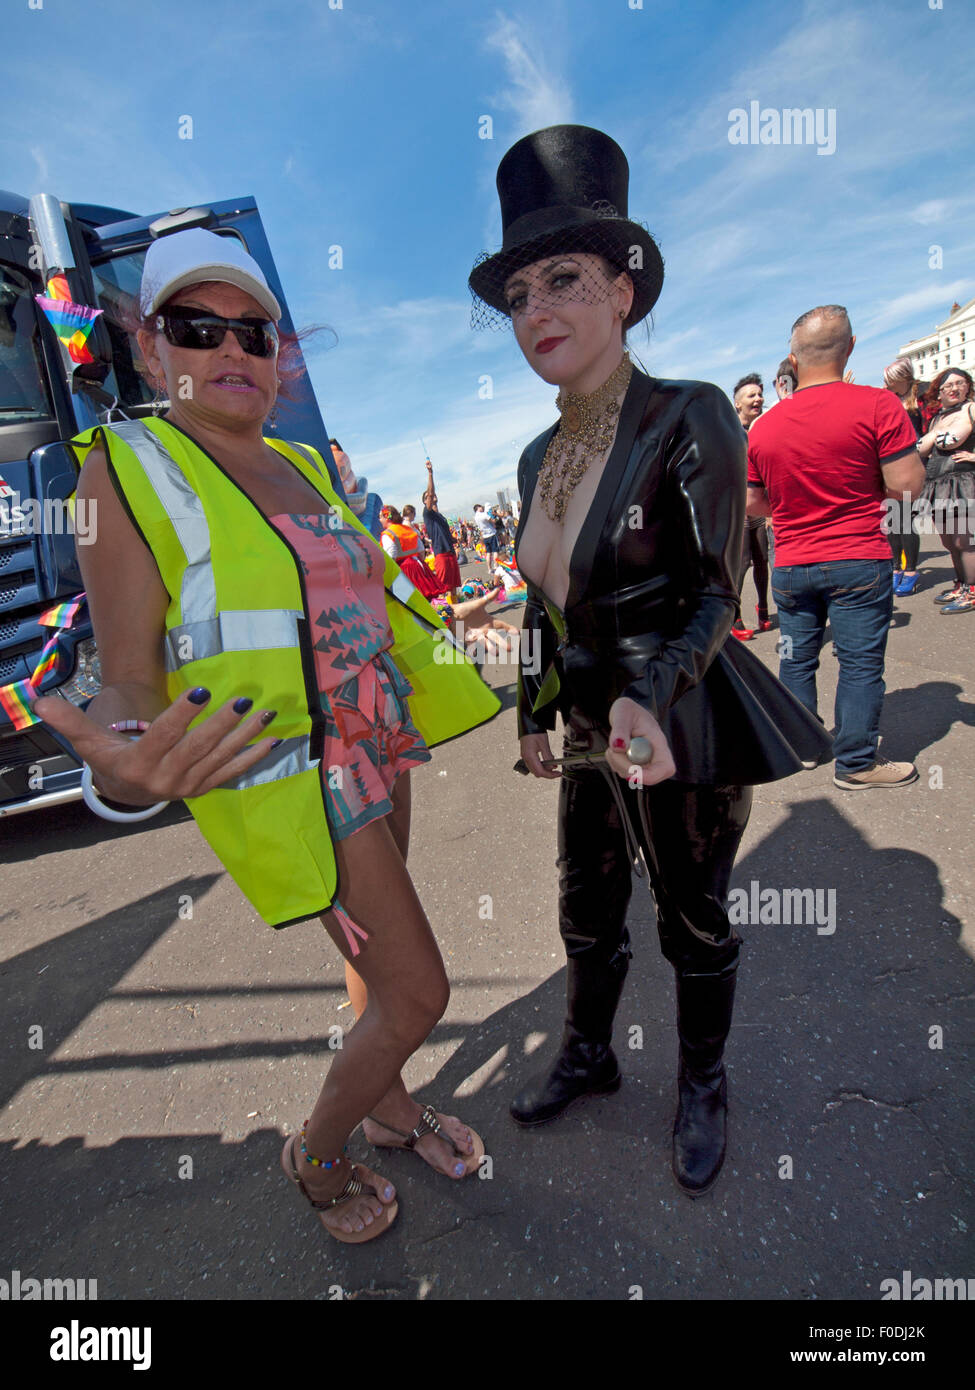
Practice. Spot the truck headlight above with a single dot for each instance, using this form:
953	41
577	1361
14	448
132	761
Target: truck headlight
86	678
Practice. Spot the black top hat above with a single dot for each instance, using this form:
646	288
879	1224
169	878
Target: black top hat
565	189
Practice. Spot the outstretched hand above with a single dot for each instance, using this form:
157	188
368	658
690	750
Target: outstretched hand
170	761
475	609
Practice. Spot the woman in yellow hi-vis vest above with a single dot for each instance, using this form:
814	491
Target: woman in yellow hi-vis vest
235	598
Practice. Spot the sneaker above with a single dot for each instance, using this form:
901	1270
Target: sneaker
949	595
963	603
883	775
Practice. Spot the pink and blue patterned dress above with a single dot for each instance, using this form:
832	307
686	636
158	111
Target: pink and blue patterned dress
370	737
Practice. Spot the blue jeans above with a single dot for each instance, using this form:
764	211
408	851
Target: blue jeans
856	598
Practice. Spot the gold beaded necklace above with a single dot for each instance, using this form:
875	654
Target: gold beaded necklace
585	432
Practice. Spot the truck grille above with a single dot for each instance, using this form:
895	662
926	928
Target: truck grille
16	751
7	630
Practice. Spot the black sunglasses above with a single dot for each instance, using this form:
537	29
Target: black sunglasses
186	327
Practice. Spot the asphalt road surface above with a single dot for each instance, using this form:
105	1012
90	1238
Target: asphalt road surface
180	1038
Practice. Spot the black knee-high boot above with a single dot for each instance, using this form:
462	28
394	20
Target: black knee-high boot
704	1008
586	1064
594	890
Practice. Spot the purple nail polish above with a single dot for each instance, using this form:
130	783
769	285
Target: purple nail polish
277	743
242	705
198	695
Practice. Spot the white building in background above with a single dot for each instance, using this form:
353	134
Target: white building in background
951	344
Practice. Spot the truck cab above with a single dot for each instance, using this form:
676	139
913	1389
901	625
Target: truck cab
45	399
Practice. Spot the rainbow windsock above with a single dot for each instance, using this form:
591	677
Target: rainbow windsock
71	322
14	700
515	588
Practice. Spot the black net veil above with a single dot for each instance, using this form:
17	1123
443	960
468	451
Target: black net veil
577	263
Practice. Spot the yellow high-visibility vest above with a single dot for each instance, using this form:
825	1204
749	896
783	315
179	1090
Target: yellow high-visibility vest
238	623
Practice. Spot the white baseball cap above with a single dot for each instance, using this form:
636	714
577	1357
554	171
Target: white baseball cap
187	258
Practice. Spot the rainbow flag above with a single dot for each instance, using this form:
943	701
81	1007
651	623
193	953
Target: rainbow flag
62	615
515	588
14	699
48	662
71	322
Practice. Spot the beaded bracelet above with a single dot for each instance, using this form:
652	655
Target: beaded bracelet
320	1162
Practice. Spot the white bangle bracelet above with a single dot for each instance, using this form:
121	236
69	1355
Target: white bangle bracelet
90	798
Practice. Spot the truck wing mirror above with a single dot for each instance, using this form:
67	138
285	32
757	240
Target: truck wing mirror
57	524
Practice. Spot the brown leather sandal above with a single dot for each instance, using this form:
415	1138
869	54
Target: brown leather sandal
429	1123
352	1189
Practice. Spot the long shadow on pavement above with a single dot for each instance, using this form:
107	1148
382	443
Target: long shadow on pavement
848	1159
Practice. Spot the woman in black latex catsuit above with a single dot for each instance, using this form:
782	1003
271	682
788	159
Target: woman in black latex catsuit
633	508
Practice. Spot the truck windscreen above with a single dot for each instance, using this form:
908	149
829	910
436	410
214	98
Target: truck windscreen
23	390
116	289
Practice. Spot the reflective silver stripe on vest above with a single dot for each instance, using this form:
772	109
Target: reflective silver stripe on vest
235	630
198	591
305	453
402	588
287	760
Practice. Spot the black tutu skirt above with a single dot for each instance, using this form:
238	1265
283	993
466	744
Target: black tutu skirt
739	726
952	485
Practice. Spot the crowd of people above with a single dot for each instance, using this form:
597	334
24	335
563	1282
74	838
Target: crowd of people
845	477
430	551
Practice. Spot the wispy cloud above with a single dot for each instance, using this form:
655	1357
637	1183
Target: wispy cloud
536	95
905	308
475	447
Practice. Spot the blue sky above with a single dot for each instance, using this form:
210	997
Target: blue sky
358	126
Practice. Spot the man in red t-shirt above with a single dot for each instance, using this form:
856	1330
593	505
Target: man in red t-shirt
821	465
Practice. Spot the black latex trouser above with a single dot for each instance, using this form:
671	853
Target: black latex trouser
690	836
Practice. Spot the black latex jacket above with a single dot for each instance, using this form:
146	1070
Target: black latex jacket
653	593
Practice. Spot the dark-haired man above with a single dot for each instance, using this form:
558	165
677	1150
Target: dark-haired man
445	565
786	380
749	401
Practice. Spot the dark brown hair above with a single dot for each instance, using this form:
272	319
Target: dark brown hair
931	394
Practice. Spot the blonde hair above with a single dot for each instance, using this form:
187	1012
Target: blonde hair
901	373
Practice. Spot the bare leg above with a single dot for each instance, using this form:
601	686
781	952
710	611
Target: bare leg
408	992
397	1106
